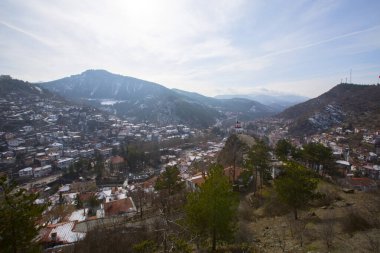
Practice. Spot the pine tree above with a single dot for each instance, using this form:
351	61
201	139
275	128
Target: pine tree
211	211
296	186
18	218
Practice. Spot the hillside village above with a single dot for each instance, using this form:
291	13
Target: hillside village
95	170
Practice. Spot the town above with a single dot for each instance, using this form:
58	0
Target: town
92	169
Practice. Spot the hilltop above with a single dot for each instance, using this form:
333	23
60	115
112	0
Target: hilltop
348	104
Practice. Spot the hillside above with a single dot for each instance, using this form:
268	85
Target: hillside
275	100
10	86
347	104
19	103
146	101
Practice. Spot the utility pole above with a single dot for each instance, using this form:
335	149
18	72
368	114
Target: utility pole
350	75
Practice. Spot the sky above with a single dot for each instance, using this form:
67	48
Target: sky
210	47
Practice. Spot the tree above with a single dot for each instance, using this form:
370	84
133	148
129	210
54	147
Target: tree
296	186
169	180
168	183
283	149
316	154
211	211
78	202
18	218
258	161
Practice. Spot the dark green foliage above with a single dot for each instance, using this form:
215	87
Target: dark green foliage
232	152
283	149
170	180
78	202
169	184
92	204
296	187
18	219
258	162
211	211
146	246
316	154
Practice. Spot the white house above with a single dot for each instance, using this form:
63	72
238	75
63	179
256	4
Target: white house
27	172
42	171
64	163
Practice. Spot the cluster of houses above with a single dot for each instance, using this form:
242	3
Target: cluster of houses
40	134
359	163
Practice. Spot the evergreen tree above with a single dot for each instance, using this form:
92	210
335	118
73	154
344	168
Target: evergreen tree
211	211
258	162
169	183
317	154
296	186
169	180
283	149
18	219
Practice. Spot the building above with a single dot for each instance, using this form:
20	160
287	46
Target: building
42	171
27	172
377	145
123	207
64	163
117	164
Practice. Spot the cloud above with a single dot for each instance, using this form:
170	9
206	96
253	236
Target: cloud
203	46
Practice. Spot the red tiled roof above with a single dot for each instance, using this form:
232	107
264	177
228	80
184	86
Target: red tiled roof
118	207
85	196
117	159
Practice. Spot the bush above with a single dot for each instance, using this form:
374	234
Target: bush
273	206
355	221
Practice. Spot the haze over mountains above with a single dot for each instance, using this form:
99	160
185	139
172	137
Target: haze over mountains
279	101
142	100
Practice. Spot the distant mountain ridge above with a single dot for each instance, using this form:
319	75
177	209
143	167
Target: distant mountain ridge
348	104
142	100
275	100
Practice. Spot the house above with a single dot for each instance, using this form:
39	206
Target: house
64	163
106	152
343	167
196	181
117	164
87	152
86	186
27	172
123	207
54	156
42	171
71	153
60	234
372	171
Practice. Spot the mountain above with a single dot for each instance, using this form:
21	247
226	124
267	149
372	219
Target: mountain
10	86
345	104
278	101
246	108
146	101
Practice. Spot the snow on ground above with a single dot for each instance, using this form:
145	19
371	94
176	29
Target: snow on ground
79	215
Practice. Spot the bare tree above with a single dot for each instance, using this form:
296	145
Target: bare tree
327	231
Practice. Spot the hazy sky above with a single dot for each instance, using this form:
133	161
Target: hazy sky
211	47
